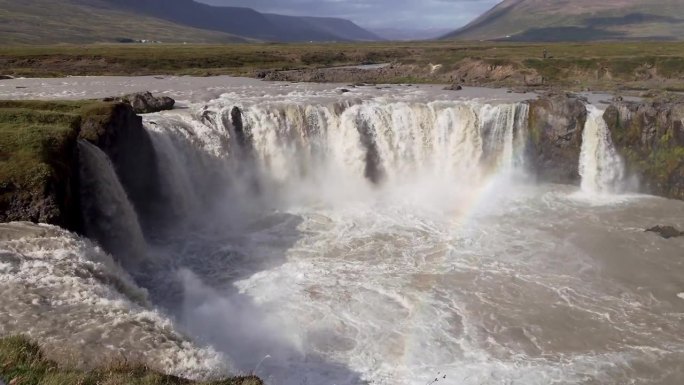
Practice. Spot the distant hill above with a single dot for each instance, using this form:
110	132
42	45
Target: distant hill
409	34
343	28
87	21
78	21
577	20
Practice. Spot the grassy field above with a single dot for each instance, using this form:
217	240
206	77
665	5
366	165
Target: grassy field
22	363
638	65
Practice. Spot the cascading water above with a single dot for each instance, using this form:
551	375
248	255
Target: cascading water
321	238
601	168
108	214
310	151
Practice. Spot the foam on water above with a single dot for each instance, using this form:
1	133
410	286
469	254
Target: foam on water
401	294
382	237
601	168
84	309
395	240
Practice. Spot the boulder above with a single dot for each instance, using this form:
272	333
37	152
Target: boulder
556	123
453	87
145	102
666	232
6	77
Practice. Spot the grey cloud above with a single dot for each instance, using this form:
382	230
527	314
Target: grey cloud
410	14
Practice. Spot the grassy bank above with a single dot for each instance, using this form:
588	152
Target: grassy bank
639	65
37	158
22	363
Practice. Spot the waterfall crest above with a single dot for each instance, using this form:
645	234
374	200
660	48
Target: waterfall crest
315	149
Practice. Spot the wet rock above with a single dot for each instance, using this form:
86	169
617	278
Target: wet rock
262	74
649	135
6	77
243	136
454	87
118	131
666	232
556	123
145	102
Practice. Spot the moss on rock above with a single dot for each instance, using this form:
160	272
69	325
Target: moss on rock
39	159
650	137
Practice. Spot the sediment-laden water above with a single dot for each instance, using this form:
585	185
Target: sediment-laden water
392	239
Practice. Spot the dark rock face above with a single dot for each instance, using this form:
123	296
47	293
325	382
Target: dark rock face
145	102
374	171
650	137
38	164
556	124
119	132
243	136
666	232
56	201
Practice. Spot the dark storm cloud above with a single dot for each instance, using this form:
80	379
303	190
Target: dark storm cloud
377	13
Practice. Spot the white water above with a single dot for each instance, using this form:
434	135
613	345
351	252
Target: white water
601	167
84	309
313	153
392	240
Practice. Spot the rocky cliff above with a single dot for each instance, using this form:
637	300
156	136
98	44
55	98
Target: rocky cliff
556	123
39	160
650	137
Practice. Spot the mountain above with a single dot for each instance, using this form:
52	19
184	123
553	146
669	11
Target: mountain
86	21
410	34
343	28
91	21
577	20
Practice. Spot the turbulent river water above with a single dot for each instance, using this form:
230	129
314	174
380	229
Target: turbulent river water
381	236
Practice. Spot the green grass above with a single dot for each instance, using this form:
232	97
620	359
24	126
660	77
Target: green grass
37	144
22	361
601	65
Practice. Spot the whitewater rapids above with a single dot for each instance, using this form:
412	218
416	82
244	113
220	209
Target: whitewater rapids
393	236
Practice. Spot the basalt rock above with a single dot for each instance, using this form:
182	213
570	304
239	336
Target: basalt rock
556	124
666	232
145	102
649	135
118	131
38	157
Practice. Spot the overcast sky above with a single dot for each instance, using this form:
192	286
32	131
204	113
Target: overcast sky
409	14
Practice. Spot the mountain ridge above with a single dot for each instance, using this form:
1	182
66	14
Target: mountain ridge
44	22
577	20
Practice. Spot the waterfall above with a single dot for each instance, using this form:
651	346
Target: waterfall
601	167
332	148
108	215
